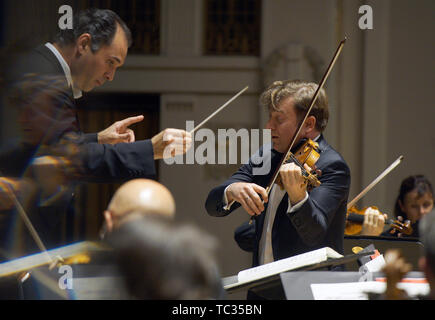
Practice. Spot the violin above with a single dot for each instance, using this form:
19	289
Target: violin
355	219
307	152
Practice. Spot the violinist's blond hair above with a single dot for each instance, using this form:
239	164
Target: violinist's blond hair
302	92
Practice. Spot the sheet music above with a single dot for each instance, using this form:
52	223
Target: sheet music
287	264
359	290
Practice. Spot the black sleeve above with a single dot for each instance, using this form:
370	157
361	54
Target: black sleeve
215	202
122	161
313	219
90	137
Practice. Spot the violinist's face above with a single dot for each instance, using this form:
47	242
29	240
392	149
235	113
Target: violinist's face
416	207
283	125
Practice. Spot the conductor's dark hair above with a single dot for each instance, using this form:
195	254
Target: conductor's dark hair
101	24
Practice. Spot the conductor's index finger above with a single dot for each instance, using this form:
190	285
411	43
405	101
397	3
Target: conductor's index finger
261	191
129	121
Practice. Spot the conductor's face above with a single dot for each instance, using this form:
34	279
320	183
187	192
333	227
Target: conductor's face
95	68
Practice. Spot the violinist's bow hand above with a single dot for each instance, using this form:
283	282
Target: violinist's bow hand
250	195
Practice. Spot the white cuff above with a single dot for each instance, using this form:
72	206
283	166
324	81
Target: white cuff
291	208
225	200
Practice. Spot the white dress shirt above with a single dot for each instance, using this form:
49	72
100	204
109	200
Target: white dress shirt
265	252
76	92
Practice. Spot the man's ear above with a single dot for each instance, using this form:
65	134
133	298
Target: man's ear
109	220
310	124
84	43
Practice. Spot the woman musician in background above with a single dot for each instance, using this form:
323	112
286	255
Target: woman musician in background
415	200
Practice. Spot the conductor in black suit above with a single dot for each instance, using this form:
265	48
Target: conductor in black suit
43	86
292	220
77	61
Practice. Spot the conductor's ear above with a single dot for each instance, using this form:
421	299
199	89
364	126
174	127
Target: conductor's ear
84	43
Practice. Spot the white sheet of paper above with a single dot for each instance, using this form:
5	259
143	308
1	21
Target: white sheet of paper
291	263
376	264
358	290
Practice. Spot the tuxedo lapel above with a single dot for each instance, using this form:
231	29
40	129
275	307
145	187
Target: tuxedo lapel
47	54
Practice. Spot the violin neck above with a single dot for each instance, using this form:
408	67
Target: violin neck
389	221
359	218
354	217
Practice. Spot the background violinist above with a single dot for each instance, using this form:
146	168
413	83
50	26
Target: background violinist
415	200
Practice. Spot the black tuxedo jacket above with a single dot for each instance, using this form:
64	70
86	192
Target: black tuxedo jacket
318	223
100	162
38	90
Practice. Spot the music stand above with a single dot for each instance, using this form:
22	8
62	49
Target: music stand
272	287
412	249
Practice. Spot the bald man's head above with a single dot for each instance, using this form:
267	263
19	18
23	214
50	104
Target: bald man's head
139	197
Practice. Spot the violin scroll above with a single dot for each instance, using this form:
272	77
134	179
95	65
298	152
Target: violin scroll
402	227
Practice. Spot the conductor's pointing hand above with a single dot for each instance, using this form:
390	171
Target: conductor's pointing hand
119	131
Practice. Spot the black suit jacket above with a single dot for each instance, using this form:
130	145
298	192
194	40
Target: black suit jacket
99	162
38	90
318	223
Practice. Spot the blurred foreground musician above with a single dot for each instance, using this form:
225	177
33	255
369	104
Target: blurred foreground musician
134	200
397	267
138	197
160	260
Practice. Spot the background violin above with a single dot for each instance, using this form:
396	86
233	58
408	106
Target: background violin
355	220
355	217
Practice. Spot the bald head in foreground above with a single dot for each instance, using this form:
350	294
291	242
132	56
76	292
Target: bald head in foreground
138	197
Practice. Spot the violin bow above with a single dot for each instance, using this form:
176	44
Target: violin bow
374	182
313	101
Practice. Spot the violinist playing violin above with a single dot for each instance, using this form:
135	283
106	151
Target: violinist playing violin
414	201
295	218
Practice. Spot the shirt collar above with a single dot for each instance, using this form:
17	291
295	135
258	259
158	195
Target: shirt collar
77	93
